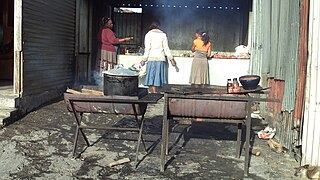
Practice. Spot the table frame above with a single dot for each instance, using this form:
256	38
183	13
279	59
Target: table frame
149	98
249	100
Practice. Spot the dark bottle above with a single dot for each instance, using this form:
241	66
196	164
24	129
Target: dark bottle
229	86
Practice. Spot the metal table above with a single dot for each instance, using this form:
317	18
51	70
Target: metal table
79	104
216	95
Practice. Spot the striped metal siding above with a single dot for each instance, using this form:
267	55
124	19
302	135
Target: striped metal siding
279	57
275	14
311	130
275	50
289	48
48	45
177	3
129	24
226	21
226	28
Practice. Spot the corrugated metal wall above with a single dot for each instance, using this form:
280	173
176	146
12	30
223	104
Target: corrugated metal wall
260	36
226	22
311	130
83	48
48	45
129	24
225	27
275	45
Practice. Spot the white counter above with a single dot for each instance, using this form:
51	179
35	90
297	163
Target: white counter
219	69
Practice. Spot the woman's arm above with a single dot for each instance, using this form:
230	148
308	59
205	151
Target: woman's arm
209	51
114	40
125	39
167	51
166	48
193	48
147	46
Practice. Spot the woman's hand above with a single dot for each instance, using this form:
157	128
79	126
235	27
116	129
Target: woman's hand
129	38
125	39
173	62
142	63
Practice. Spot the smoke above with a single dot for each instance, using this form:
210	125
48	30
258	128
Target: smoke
222	20
98	78
180	29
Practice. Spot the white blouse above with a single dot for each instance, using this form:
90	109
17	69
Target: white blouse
156	46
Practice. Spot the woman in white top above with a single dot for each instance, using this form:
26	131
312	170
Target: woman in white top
155	53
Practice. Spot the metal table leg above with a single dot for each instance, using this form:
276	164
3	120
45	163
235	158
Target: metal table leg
164	140
138	145
78	128
239	138
248	135
140	138
140	124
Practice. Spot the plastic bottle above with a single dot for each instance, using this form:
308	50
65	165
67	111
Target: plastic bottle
229	86
236	87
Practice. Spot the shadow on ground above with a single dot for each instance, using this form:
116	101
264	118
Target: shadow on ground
39	146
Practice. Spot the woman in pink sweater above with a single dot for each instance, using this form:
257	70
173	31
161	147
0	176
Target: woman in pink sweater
108	51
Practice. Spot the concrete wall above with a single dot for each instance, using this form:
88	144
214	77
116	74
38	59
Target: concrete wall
219	69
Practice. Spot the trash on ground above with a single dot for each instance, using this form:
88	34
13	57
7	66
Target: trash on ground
118	162
267	133
276	147
254	152
256	115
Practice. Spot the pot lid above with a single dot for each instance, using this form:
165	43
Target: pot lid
121	72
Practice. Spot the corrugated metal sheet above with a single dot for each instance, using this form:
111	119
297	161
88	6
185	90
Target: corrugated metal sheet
283	121
275	47
286	135
311	130
290	61
48	45
226	21
275	14
303	60
225	27
129	24
275	44
83	46
183	3
254	22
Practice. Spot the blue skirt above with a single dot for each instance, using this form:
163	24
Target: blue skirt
156	74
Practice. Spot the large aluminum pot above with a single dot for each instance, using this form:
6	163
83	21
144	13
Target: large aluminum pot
121	82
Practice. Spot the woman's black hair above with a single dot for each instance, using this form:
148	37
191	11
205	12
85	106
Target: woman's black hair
104	21
154	25
204	36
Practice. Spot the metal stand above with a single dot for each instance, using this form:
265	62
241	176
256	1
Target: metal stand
247	121
77	101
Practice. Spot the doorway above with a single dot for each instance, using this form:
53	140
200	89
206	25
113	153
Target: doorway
6	44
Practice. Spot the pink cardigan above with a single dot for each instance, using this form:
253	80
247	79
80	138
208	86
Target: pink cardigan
108	40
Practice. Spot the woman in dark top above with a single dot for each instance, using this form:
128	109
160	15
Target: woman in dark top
108	51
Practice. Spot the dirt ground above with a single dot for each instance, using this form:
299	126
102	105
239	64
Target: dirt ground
39	146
